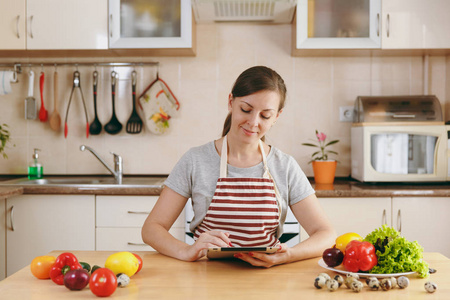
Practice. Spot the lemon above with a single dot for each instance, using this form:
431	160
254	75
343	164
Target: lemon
122	262
343	240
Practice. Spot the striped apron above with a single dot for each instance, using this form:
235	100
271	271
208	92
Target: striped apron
247	208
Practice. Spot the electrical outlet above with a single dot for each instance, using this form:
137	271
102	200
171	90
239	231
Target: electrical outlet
346	113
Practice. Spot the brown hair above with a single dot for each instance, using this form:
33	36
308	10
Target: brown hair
256	79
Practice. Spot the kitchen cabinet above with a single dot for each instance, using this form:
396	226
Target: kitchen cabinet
360	215
2	238
370	24
424	220
34	25
338	24
12	24
38	224
119	220
415	24
415	217
150	24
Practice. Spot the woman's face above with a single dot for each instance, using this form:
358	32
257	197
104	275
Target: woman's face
253	115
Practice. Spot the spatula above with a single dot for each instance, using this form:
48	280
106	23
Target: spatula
134	124
55	118
43	113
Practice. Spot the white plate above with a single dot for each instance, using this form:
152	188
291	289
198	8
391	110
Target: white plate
362	275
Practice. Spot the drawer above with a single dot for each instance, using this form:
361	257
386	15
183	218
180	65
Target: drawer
127	239
126	211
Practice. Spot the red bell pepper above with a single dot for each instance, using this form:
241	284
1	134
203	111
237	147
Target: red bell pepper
63	260
359	256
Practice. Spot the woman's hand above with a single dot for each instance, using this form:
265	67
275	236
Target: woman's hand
208	239
260	259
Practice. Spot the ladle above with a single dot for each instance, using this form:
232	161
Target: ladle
113	126
55	117
96	126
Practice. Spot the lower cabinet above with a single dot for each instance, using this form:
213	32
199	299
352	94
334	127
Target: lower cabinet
360	215
119	220
2	238
421	219
38	224
425	220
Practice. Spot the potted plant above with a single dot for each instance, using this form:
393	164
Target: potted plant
323	167
4	139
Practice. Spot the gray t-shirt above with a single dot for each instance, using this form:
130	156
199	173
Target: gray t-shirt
196	173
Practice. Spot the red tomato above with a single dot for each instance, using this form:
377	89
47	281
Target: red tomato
103	282
140	262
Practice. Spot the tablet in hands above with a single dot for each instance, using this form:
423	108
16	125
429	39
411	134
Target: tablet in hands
229	252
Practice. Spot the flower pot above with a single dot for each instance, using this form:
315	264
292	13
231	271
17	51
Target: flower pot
324	171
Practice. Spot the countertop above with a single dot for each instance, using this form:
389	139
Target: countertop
163	277
342	187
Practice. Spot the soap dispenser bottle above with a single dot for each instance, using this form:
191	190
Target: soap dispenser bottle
35	169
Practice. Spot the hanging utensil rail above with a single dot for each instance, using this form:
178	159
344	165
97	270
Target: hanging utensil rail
18	66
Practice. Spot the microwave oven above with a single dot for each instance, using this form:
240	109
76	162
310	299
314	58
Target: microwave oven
400	154
399	139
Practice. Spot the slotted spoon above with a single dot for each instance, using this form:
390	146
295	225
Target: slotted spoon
134	124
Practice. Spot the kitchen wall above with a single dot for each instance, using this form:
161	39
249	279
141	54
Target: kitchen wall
317	86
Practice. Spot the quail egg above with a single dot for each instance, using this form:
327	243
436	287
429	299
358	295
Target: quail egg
320	282
357	286
403	282
332	285
386	284
373	283
430	287
122	280
339	279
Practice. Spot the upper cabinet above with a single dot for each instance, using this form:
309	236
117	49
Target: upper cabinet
415	24
338	24
370	24
12	24
102	28
150	24
54	24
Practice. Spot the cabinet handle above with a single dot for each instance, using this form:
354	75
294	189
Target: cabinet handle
136	244
110	26
31	27
399	221
138	212
378	24
383	217
388	23
17	26
11	216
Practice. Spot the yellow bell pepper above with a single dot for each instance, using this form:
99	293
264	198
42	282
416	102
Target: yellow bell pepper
343	240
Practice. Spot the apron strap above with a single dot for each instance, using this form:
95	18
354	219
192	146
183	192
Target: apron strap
224	158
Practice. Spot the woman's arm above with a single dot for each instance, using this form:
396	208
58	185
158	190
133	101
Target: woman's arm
155	231
321	236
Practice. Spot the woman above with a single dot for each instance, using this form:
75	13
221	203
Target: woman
241	187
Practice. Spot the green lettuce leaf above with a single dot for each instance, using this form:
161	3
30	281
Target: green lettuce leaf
395	253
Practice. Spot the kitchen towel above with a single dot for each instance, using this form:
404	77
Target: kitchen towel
390	153
6	77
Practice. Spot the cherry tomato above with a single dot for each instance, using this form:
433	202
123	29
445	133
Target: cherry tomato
40	266
140	262
103	282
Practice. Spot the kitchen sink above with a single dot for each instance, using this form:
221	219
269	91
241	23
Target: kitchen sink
87	181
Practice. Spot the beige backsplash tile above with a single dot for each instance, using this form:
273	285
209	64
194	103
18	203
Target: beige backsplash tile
317	86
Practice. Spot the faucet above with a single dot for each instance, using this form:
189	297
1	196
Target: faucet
118	164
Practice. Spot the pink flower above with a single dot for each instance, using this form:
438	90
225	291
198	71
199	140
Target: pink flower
321	136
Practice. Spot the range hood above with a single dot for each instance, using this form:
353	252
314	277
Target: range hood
276	11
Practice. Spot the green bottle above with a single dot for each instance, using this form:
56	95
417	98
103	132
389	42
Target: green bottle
35	169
